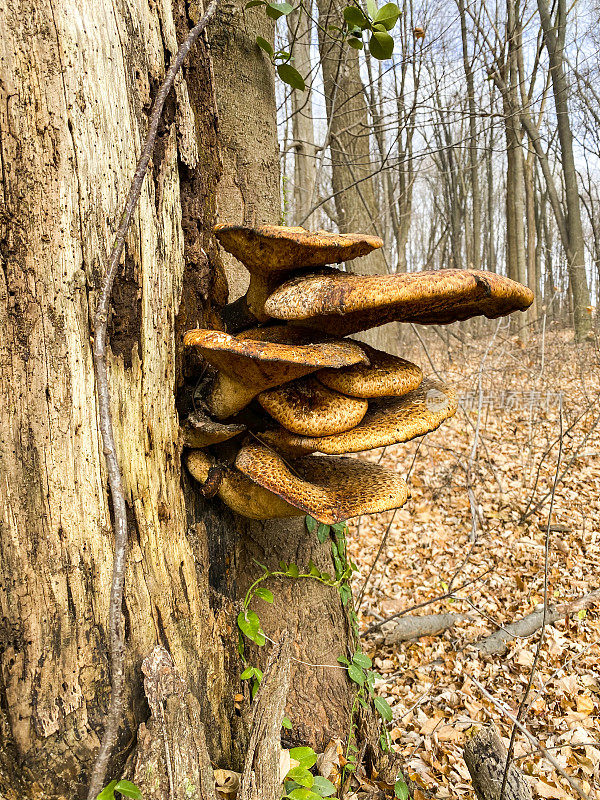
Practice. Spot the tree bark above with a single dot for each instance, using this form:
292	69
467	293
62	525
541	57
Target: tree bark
77	80
485	757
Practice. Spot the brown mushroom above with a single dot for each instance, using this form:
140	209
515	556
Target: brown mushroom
273	252
388	421
308	407
198	430
329	489
384	376
344	303
263	358
242	495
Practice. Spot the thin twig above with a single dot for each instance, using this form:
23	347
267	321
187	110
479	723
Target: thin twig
119	506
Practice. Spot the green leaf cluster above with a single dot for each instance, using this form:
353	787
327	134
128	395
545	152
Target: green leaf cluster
376	23
125	788
279	58
300	783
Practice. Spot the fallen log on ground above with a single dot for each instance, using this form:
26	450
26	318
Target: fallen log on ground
496	643
414	627
485	757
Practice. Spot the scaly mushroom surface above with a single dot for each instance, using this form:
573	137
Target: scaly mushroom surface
307	407
329	489
388	421
384	376
262	358
242	495
344	303
272	252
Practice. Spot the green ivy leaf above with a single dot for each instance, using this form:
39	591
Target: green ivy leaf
254	3
381	45
401	789
355	17
311	523
108	793
301	776
292	569
343	660
128	789
356	674
264	594
363	660
383	709
303	794
247	674
357	44
345	593
305	756
387	15
249	623
323	787
276	10
372	8
322	532
266	46
286	723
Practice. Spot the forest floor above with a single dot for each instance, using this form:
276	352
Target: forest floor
476	527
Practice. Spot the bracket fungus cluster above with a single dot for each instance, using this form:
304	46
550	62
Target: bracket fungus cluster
293	387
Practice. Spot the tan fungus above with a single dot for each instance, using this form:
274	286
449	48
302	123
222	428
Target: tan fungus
344	303
273	252
388	421
308	407
238	492
262	358
384	376
329	489
198	430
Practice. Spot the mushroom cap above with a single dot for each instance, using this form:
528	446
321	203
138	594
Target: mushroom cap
307	407
329	489
198	430
271	249
390	420
280	354
344	303
385	376
242	495
265	357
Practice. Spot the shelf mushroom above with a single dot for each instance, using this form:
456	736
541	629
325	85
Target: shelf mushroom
384	376
344	303
329	489
262	358
307	407
198	430
391	420
271	253
242	495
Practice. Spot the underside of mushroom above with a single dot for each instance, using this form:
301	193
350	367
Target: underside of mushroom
308	390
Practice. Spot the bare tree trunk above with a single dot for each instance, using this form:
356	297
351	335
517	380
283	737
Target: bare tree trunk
77	79
303	134
352	166
554	39
475	245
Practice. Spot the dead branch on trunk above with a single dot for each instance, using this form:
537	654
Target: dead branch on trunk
172	759
485	757
496	643
261	779
119	505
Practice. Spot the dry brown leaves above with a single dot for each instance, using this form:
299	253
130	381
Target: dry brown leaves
456	489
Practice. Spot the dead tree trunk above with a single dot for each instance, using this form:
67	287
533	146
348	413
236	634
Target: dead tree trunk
485	756
76	82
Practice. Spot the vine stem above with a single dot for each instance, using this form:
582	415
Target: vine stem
115	480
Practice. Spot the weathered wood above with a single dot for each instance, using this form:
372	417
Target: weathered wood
261	779
416	626
172	759
485	757
496	643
